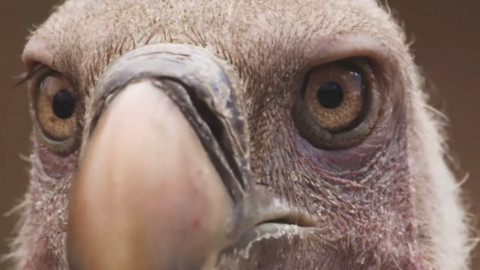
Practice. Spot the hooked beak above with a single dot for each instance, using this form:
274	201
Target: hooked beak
164	179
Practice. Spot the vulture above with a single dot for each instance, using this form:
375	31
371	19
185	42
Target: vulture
234	134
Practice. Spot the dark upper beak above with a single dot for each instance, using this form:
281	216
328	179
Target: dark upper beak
164	179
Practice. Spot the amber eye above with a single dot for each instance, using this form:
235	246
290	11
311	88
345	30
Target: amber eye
337	106
56	110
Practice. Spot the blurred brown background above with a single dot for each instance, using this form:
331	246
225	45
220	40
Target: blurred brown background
447	46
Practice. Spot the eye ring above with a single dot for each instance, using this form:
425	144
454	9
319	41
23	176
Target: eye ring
56	110
322	138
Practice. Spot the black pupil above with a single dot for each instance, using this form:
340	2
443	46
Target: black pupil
63	104
330	95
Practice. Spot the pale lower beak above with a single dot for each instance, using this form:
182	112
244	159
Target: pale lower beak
147	195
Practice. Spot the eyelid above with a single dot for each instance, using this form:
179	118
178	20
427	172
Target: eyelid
39	72
38	58
37	51
327	49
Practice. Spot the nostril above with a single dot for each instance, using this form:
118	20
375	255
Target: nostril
210	119
214	124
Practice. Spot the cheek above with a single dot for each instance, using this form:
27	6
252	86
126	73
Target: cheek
42	245
53	165
350	161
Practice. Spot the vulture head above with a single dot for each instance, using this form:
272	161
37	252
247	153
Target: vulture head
269	134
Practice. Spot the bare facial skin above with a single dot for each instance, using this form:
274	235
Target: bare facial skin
244	134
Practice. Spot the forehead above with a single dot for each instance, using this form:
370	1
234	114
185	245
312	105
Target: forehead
330	15
92	33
